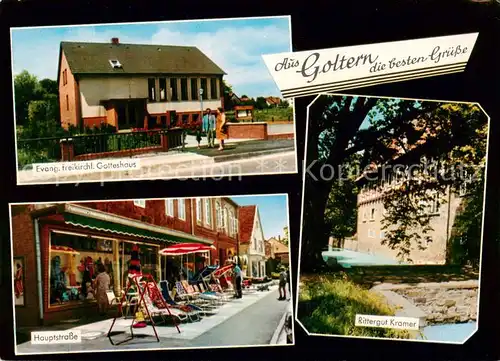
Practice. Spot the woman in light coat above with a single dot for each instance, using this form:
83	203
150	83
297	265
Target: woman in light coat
221	127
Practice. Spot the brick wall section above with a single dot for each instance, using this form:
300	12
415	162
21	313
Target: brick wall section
247	130
119	153
156	211
94	121
68	96
23	239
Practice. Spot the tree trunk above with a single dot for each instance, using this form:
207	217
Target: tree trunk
314	232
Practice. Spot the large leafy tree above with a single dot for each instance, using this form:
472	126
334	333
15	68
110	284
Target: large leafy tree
381	132
26	89
341	211
37	106
227	91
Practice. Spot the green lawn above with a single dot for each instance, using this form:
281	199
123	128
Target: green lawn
328	304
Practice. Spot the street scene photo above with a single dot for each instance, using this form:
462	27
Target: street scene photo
392	218
150	274
159	100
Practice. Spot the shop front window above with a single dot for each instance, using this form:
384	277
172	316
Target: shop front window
73	267
148	258
74	261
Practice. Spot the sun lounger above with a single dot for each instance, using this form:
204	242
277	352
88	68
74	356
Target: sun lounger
181	292
182	315
208	294
197	305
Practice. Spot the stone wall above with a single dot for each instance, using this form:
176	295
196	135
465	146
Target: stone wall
448	303
370	232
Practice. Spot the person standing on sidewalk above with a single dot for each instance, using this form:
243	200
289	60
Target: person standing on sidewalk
102	283
282	284
221	127
288	281
237	280
208	127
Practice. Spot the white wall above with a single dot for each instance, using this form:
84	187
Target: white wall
184	106
92	91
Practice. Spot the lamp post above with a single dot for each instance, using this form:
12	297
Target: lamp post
201	103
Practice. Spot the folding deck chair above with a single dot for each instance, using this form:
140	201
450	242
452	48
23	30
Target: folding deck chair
140	283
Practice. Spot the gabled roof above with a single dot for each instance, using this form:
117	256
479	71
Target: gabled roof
94	58
246	221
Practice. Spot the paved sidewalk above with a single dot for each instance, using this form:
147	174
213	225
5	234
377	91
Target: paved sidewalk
249	321
168	164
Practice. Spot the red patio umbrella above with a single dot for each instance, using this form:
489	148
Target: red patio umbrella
185	248
181	249
223	270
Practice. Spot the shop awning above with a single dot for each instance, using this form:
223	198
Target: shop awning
92	219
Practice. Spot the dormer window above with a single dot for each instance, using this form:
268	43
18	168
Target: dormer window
115	64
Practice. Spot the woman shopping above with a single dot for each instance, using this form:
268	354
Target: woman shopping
102	283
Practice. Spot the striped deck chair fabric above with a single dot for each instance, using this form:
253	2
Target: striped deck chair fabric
163	312
180	291
189	289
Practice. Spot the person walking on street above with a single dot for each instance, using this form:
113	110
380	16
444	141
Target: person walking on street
282	285
237	280
208	127
221	127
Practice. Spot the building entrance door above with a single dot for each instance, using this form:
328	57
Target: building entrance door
130	113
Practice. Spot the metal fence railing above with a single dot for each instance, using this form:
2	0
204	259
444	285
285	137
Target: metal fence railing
49	149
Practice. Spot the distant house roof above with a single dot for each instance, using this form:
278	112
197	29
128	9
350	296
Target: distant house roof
246	220
273	100
96	58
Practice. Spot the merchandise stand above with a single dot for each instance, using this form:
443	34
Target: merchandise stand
135	281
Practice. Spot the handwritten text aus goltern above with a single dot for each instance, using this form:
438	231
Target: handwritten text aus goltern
312	67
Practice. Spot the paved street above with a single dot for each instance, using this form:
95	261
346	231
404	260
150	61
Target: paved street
254	325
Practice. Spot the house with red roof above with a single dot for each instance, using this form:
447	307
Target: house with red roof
252	249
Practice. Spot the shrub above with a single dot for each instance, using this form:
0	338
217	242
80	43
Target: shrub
329	305
25	158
